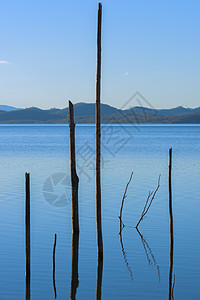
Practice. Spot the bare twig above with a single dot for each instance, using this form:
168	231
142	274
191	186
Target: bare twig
148	202
121	209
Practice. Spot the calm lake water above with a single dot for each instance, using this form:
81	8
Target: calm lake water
135	266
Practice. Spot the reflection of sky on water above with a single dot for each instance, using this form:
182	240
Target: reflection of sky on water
43	151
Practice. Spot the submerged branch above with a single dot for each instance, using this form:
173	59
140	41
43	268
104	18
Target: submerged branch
148	202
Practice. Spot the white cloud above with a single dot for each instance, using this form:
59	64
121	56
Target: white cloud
4	62
125	74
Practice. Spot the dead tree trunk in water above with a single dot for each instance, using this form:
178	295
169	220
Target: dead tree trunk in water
74	193
74	177
98	138
171	287
54	266
27	234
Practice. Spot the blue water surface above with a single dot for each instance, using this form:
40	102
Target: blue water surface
136	265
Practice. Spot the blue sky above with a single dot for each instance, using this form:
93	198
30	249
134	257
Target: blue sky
48	52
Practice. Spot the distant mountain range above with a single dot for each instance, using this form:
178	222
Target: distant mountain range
85	113
8	108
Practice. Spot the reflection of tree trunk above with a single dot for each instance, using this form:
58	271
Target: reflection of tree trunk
99	277
27	234
171	228
54	267
124	254
171	268
28	292
74	266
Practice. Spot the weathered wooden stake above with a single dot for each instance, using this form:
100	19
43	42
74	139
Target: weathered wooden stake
27	234
54	266
74	177
98	138
171	287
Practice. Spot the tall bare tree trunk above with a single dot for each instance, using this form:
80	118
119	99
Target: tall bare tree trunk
171	227
98	138
74	193
27	234
74	177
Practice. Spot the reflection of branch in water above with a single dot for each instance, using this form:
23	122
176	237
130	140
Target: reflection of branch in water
54	281
124	255
74	266
149	253
99	277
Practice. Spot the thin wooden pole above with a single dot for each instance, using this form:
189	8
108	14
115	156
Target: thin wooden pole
74	177
98	138
27	234
171	227
54	266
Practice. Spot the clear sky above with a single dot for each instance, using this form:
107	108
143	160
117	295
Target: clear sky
48	52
